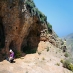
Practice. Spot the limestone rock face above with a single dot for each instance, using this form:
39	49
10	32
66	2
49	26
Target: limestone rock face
21	26
17	27
52	38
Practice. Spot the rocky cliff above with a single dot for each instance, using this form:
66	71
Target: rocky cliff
21	26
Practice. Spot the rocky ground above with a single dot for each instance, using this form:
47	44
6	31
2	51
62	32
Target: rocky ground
45	60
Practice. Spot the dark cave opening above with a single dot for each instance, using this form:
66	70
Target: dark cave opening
2	34
31	42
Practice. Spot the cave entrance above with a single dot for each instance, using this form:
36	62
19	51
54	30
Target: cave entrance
30	45
28	49
2	35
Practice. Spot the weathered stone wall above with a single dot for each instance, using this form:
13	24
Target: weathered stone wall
18	25
21	25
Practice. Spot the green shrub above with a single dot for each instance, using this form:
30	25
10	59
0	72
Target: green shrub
39	53
56	52
49	26
47	49
66	54
30	3
31	7
71	66
34	11
58	64
62	61
43	58
67	64
17	54
43	18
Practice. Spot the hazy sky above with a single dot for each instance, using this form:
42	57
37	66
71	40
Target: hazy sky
59	14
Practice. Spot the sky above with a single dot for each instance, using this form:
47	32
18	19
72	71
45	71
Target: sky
59	14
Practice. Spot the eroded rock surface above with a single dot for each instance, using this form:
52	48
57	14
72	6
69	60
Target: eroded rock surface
19	28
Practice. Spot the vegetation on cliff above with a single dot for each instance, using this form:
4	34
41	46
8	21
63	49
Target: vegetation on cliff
34	11
68	64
